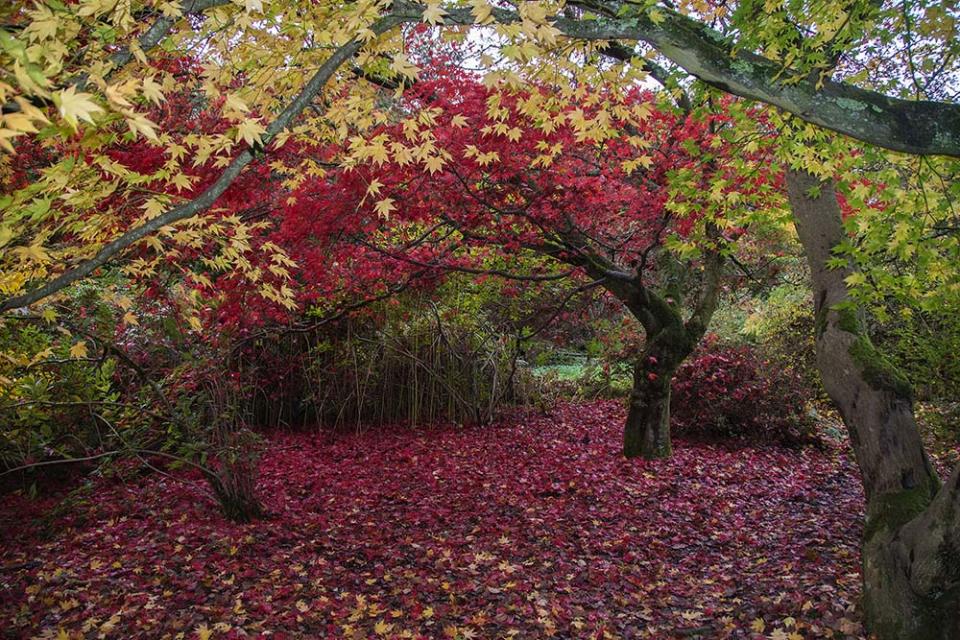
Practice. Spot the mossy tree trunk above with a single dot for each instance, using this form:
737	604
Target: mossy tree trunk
647	431
911	547
670	339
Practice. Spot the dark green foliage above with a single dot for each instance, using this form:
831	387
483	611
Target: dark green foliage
412	361
924	347
52	405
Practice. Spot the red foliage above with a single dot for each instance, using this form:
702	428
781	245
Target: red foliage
507	184
731	392
532	528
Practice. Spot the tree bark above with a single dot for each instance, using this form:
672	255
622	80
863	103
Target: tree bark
647	430
669	339
911	546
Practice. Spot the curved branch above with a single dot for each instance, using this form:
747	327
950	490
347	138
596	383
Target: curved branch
215	190
912	126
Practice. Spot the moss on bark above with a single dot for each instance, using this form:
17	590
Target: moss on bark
878	371
891	511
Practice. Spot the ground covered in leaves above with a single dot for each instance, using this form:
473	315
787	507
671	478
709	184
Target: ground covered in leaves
532	528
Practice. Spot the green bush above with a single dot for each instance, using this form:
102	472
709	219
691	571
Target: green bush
781	326
924	346
53	403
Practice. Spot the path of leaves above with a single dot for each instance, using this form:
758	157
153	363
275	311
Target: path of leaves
533	528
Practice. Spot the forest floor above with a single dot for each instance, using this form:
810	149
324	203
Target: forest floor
535	527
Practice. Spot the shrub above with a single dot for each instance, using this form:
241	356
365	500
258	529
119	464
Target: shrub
923	345
725	391
404	360
782	327
52	403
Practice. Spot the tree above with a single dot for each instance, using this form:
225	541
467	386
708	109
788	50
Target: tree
644	200
912	533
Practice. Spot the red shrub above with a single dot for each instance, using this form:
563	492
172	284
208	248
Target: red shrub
727	391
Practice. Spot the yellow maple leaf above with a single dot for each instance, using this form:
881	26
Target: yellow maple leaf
378	152
758	625
486	158
140	124
434	14
75	106
152	91
203	632
384	207
5	137
459	121
374	187
33	253
117	94
43	25
250	131
482	11
79	350
19	122
402	66
154	206
182	181
234	104
433	164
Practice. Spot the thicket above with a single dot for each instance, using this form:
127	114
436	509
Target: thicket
417	363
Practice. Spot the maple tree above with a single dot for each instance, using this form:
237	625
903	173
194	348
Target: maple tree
77	77
36	71
537	172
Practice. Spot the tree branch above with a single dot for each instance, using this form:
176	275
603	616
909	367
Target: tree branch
210	195
911	126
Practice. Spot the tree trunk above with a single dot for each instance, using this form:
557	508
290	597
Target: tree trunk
911	548
647	431
669	339
234	487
